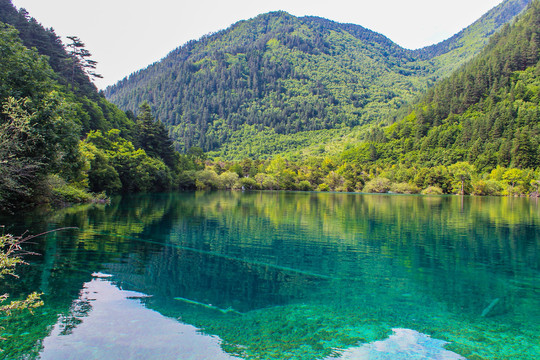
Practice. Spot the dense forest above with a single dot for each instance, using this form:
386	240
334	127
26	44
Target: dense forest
486	113
279	84
475	132
62	141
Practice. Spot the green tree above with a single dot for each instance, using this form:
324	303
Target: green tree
153	138
137	171
377	185
513	177
334	181
102	176
523	152
207	180
228	180
80	59
197	156
17	172
462	172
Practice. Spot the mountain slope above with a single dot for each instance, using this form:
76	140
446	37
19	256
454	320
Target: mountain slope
288	82
277	72
46	42
449	54
487	113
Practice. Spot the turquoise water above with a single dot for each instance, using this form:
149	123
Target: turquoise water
232	275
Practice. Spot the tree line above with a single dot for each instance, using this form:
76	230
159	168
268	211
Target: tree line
341	175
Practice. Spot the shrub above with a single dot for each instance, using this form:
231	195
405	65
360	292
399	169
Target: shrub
228	180
206	180
486	187
432	190
378	185
514	191
323	187
305	185
62	192
405	188
334	180
248	183
71	194
266	181
187	180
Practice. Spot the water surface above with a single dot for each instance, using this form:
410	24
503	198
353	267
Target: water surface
264	275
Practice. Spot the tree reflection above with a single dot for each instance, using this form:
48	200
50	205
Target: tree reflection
224	261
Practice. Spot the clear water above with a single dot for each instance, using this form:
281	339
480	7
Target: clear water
228	275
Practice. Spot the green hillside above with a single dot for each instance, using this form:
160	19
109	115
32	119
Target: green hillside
487	113
282	84
93	110
449	54
475	132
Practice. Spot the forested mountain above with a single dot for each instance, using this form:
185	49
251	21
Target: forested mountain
475	132
486	113
449	54
279	83
46	42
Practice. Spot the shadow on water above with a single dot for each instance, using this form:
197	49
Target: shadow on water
297	275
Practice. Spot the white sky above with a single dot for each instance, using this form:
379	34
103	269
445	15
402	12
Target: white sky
127	35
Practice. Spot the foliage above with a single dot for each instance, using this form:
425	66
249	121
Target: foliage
117	165
405	188
37	133
93	111
432	190
49	104
64	193
80	57
10	257
338	174
152	137
486	187
377	185
304	87
207	180
485	114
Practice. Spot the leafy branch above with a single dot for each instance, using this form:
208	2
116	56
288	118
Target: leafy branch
11	253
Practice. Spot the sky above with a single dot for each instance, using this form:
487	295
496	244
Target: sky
127	35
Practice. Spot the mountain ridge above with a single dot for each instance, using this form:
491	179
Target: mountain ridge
486	113
286	77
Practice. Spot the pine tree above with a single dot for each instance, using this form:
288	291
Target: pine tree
80	59
153	137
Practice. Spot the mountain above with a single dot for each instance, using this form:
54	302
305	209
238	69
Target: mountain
275	72
278	83
486	113
449	54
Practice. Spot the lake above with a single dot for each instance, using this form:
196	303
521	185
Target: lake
281	275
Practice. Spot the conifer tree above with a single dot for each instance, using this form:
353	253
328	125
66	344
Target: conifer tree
152	136
80	59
